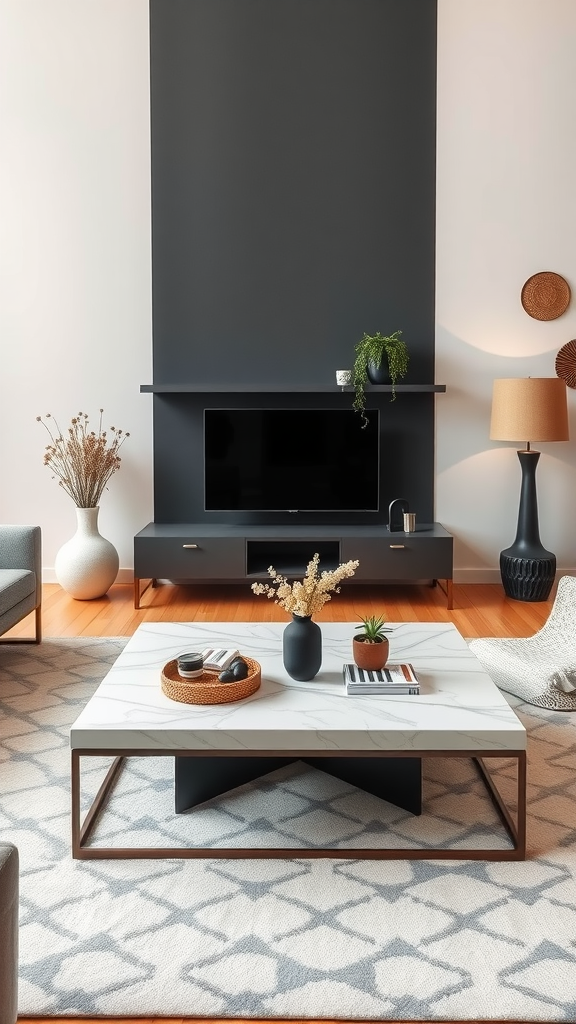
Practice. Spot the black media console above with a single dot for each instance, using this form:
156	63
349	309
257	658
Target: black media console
218	553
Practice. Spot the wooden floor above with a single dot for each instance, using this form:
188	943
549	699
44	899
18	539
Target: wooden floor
479	610
228	1020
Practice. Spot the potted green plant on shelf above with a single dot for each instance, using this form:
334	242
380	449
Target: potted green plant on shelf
370	646
379	358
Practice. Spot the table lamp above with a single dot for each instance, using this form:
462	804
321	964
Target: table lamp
530	409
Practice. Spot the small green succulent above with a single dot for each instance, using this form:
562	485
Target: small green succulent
372	629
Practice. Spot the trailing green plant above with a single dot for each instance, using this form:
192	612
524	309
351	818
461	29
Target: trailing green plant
372	629
371	349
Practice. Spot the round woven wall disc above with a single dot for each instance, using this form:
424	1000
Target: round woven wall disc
546	296
566	363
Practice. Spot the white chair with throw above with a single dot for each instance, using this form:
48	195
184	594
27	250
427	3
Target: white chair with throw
540	669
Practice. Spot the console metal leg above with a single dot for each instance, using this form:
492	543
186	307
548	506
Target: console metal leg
138	594
448	591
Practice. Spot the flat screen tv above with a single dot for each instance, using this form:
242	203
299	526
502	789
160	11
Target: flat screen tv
291	460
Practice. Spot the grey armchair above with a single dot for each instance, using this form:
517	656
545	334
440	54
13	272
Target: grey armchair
20	579
8	933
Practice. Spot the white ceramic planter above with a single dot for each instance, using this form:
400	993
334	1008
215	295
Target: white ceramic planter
87	565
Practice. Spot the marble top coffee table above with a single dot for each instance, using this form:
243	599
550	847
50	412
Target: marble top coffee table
377	743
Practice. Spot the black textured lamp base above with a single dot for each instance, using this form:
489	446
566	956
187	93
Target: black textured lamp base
527	579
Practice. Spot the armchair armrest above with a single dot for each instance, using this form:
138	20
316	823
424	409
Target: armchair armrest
9	903
21	548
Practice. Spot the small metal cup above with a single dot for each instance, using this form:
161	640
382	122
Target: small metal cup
409	522
343	377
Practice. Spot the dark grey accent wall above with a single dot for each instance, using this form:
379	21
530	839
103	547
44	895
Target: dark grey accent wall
293	184
293	209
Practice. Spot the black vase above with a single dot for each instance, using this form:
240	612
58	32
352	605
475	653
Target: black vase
378	374
302	648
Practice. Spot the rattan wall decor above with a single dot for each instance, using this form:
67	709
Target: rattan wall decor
545	296
566	363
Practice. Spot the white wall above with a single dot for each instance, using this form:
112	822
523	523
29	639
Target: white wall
75	281
75	276
506	210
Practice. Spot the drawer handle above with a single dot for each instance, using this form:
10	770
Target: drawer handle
397	545
189	545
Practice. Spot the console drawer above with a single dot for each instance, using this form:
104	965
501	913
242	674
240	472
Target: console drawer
189	557
400	556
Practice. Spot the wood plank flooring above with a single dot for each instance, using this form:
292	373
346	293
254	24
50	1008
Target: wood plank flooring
479	610
226	1020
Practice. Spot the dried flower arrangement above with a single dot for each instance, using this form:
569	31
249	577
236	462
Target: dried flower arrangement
83	461
306	597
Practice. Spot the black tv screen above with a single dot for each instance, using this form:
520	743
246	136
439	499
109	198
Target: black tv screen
291	460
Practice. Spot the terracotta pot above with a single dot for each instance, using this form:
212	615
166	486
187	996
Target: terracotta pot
370	656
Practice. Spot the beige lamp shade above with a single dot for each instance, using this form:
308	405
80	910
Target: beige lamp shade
529	409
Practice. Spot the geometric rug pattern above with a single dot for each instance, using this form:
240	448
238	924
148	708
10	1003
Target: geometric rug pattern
349	939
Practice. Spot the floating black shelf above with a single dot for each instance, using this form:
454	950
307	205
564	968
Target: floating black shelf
221	389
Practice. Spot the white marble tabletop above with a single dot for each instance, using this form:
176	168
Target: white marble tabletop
458	708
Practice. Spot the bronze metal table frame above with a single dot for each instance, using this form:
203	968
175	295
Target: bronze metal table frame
514	825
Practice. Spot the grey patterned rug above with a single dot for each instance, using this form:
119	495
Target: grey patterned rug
348	939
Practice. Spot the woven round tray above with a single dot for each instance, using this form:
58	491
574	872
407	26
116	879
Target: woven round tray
566	363
545	296
207	689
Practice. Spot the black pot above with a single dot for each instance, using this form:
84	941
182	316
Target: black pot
378	374
302	648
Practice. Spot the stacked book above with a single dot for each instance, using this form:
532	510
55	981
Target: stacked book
217	659
395	679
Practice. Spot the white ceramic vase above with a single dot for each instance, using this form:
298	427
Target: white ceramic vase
87	565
